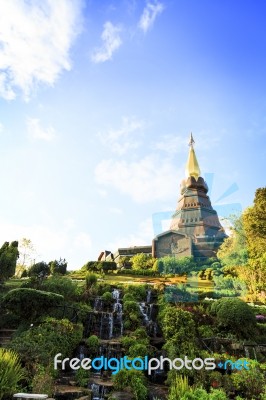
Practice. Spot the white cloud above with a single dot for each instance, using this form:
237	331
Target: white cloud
116	210
37	132
111	42
50	243
150	12
123	139
1	128
171	144
142	237
148	179
35	39
83	240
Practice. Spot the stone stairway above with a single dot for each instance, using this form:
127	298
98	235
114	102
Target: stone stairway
5	336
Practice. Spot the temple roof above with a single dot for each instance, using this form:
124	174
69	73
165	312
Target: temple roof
192	166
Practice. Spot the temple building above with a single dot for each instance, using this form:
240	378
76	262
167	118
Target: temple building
195	229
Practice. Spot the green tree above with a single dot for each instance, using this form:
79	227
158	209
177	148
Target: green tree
172	265
27	253
40	269
254	221
233	251
58	266
179	331
142	261
8	259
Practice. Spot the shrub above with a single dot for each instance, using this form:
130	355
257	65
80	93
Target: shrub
128	297
234	315
91	279
40	269
39	344
11	372
137	350
128	341
142	261
130	306
30	303
179	330
61	285
137	291
93	343
82	377
107	297
43	381
99	266
133	379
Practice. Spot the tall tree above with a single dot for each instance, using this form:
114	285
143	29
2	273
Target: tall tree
254	221
27	253
8	258
233	252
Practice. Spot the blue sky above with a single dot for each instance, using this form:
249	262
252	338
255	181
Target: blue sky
97	100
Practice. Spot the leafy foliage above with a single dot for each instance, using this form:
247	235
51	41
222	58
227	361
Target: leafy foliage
11	372
99	266
39	344
133	379
179	331
142	261
30	303
40	269
172	265
233	251
58	267
8	259
93	343
234	315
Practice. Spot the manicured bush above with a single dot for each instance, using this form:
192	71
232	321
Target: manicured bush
100	266
234	315
30	304
140	272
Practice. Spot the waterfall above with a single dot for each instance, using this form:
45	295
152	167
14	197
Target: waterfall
81	354
144	313
111	325
118	311
98	391
148	300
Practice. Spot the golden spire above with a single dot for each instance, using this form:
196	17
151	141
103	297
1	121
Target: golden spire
192	167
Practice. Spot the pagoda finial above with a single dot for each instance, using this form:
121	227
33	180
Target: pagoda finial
191	141
192	167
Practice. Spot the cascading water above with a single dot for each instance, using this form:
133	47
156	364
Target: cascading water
148	300
118	312
98	391
144	312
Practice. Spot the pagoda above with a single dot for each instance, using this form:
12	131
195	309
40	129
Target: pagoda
195	228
